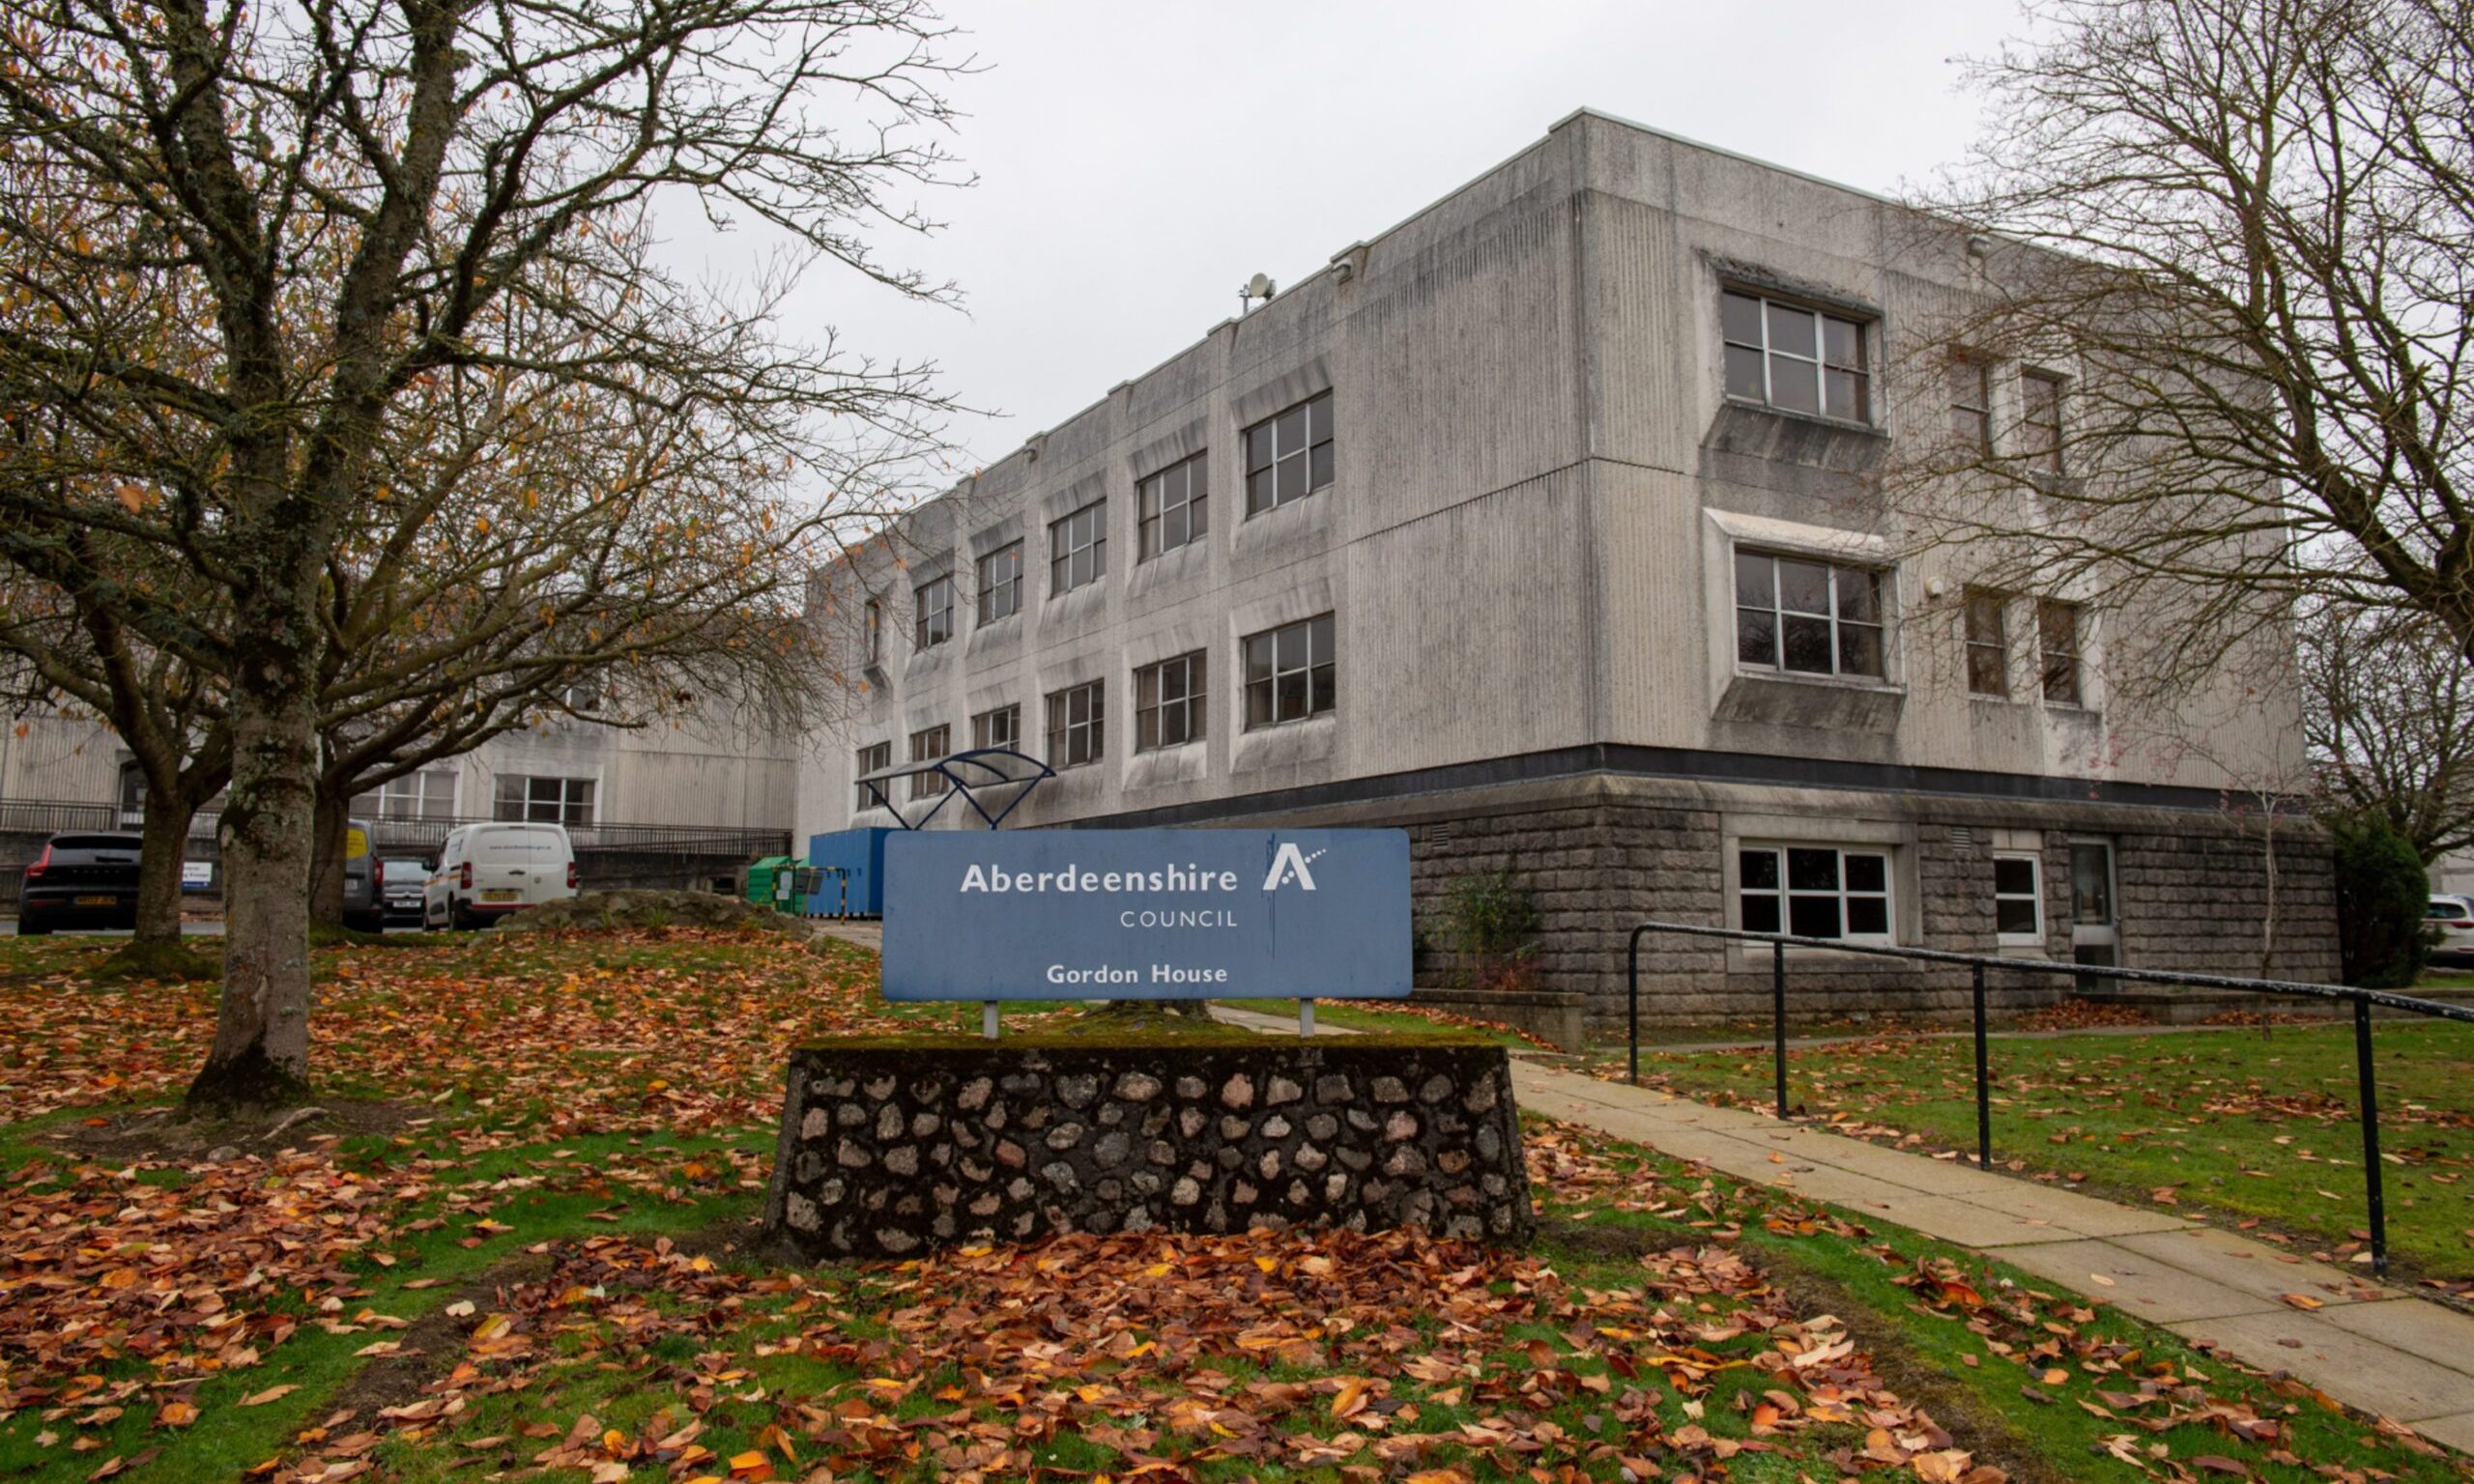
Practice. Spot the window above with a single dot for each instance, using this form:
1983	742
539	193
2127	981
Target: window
1289	673
2058	642
1000	583
871	758
1813	617
927	746
1168	702
1796	359
1169	509
1971	404
935	602
2018	907
1077	725
1288	456
429	794
2040	420
565	801
1817	891
1077	549
1000	727
1988	642
874	615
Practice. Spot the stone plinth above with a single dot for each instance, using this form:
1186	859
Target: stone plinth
888	1150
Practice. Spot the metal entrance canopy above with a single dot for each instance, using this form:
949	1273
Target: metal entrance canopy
967	774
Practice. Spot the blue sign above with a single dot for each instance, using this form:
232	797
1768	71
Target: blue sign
1146	914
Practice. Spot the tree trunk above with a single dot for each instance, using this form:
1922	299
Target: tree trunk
261	1052
330	821
164	845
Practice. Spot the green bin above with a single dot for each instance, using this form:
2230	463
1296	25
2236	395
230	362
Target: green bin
768	875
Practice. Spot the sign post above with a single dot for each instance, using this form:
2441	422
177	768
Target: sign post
1147	914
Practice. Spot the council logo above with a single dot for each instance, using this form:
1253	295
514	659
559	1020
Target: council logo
1290	864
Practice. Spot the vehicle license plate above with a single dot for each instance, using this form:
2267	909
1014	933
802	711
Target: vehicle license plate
98	902
497	895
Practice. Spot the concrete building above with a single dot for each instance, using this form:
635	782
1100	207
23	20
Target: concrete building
1539	525
679	802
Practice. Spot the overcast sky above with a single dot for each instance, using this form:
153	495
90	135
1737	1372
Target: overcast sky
1138	160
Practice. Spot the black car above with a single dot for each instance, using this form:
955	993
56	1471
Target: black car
80	881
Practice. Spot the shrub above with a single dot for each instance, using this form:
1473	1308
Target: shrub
1494	929
2382	898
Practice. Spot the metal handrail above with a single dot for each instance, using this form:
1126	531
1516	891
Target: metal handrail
2362	1000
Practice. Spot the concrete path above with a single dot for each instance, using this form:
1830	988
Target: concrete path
2368	1345
868	932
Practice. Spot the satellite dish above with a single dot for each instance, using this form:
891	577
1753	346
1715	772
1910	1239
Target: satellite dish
1258	287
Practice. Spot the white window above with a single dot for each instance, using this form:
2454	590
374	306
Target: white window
1988	642
1290	672
1807	615
876	620
1170	508
1000	728
2058	642
875	756
1796	359
1078	725
1168	702
933	602
1817	891
429	794
2040	420
1000	583
2018	906
927	746
1077	549
543	800
1288	456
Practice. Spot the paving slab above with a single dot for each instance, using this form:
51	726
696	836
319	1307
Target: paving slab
2252	1266
2082	1213
2354	1368
2457	1432
2441	1336
2157	1291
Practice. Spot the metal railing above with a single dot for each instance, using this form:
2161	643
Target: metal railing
52	816
2362	1000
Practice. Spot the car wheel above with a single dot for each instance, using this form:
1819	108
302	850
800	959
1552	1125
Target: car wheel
458	918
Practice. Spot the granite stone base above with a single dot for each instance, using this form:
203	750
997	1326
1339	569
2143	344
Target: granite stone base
887	1151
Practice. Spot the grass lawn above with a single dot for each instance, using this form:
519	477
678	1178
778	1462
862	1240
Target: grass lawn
2259	1128
516	1245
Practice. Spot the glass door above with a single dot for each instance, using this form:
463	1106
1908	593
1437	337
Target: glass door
2096	936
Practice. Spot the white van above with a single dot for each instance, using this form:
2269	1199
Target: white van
485	871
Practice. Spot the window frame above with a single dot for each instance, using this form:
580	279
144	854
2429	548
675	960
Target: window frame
1778	614
1978	434
925	633
419	794
982	727
1784	894
1821	360
1152	510
1061	556
2073	659
1321	673
1009	586
1063	731
2033	897
2044	444
868	759
873	618
1153	708
1971	602
927	745
1320	471
573	804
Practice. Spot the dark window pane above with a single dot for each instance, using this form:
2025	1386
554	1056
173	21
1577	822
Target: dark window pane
1806	645
2061	679
1755	585
1318	632
1868	917
1843	343
1760	914
1258	447
1860	596
1847	397
1326	693
1196	514
1859	650
1812	871
1288	646
1320	473
1813	916
1259	702
1803	586
1790	330
1318	415
1744	373
1756	635
1867	872
2014	915
1739	316
1288	432
1988	670
1292	479
1759	869
1794	385
2014	877
1293	697
1146	730
1259	658
1258	492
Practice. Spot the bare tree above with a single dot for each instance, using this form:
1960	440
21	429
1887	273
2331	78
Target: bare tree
2215	358
240	244
2388	707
